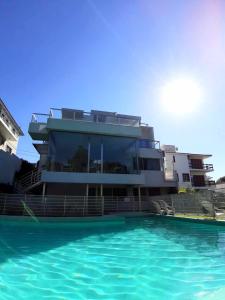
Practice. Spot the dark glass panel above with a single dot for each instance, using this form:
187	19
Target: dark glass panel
152	164
95	153
68	152
119	155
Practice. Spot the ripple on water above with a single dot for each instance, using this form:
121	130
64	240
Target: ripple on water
144	259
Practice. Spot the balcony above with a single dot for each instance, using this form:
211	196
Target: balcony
96	122
7	129
202	167
203	183
93	117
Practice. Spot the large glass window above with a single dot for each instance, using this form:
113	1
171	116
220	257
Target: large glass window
95	154
68	152
119	154
149	164
74	152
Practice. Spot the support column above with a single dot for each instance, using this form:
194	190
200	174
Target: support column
101	190
89	152
102	199
87	189
86	200
101	158
44	189
139	198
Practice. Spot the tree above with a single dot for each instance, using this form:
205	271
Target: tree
221	180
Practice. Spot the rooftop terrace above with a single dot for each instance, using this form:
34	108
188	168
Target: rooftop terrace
92	116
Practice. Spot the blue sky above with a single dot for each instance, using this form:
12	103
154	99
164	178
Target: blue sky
116	56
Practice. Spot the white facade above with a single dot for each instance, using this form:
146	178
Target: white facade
9	130
190	169
9	137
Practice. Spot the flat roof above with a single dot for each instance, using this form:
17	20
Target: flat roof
10	115
194	155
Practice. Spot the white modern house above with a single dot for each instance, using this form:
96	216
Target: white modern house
190	169
9	137
96	153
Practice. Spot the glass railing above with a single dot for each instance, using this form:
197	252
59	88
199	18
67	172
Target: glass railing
93	116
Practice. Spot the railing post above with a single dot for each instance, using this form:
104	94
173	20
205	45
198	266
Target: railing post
139	198
44	202
64	206
103	204
31	177
3	211
25	203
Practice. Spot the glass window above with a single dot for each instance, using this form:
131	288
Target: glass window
68	152
95	154
8	149
152	164
145	143
119	154
186	177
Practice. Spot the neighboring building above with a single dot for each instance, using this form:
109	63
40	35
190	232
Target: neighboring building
9	130
96	153
9	165
190	169
9	137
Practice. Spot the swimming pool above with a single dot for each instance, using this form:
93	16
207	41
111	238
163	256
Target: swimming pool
144	258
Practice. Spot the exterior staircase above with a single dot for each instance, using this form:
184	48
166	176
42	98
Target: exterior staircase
29	181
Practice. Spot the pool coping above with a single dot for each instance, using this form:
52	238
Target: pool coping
119	218
105	218
191	220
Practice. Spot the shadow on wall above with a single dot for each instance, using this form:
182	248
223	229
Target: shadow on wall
10	164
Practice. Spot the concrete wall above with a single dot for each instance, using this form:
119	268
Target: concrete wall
150	153
145	179
11	144
181	166
9	164
157	179
38	131
92	127
96	178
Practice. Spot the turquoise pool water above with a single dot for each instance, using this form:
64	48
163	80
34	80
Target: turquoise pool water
145	258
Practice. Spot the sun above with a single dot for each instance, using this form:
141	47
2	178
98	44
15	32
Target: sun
181	96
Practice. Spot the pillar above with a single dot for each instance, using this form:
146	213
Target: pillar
139	197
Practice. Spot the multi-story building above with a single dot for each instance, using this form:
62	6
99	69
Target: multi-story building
9	137
190	169
96	153
9	130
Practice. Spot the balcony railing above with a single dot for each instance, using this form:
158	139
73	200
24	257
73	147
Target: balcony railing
205	167
9	125
93	116
207	183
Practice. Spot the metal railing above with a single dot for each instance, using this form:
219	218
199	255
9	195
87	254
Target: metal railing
68	206
93	116
29	179
206	167
202	203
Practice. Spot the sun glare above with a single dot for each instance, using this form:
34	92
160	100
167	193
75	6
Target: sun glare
181	96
